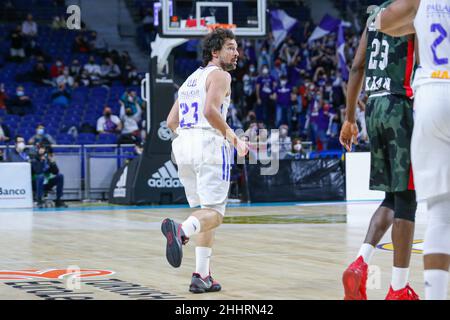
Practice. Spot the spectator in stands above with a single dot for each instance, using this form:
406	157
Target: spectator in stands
40	74
283	103
2	157
58	23
3	96
46	175
65	79
249	119
285	141
297	150
98	45
41	137
57	69
19	153
109	123
279	69
265	86
131	77
29	27
92	71
125	59
130	132
289	51
61	95
264	58
130	100
5	134
17	50
249	87
20	103
75	68
83	79
109	71
81	44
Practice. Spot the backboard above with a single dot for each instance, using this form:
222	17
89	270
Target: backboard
183	18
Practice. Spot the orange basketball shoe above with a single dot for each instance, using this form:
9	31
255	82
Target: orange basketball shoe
354	280
407	293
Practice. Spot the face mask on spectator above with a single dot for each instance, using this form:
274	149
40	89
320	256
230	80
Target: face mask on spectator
265	71
252	69
20	93
283	82
40	131
283	132
58	64
107	114
20	146
298	147
130	98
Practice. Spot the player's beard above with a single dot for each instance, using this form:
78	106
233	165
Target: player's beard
227	66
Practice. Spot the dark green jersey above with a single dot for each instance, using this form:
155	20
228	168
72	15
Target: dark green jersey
389	62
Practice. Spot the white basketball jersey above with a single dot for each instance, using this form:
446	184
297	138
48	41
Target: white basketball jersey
192	100
432	24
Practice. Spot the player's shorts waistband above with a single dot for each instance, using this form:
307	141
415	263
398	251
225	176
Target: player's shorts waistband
379	94
198	130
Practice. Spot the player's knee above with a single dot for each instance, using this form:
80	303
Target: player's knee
405	205
389	201
437	235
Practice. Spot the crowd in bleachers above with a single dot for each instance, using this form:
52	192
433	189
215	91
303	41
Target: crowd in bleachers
296	86
62	80
81	91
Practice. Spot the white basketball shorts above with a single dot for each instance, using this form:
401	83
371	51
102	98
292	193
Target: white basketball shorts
430	146
204	161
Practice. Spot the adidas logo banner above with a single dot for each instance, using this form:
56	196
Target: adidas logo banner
166	177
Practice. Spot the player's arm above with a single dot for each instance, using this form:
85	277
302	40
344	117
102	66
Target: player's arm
349	131
217	86
173	120
398	18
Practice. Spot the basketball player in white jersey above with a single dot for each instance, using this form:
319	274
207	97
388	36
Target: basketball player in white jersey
430	146
203	155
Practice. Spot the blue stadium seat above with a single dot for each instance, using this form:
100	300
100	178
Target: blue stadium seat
86	138
106	138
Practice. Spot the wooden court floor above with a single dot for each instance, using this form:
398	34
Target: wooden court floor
292	251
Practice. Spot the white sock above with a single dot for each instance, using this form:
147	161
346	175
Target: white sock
399	278
436	284
202	257
366	251
191	226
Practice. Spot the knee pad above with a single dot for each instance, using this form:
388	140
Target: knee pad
405	205
389	201
437	235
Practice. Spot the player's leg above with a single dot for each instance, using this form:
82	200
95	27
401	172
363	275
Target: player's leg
355	276
397	131
402	237
213	187
437	248
380	222
431	140
201	279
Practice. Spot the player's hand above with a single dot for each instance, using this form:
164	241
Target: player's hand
349	135
241	147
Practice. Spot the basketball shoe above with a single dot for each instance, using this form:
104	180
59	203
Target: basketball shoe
175	239
407	293
354	280
202	285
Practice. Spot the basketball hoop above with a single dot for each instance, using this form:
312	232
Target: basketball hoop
214	26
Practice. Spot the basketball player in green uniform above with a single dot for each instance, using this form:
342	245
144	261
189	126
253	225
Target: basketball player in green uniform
385	66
